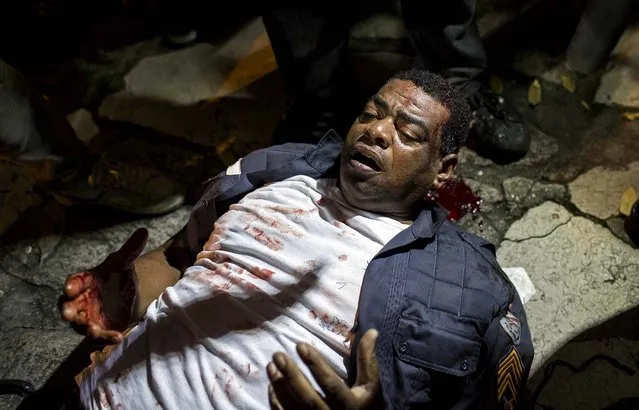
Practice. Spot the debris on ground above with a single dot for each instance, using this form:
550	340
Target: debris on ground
534	93
628	199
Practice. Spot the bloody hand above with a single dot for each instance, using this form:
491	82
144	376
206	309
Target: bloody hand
101	300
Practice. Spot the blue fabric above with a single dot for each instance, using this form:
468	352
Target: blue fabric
435	294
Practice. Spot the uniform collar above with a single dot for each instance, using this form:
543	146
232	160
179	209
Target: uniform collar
327	152
429	220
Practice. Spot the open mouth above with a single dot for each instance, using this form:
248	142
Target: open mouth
363	162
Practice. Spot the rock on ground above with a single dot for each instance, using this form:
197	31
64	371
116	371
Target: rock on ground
479	225
538	222
527	193
598	191
205	94
33	355
542	148
488	193
48	261
599	280
620	83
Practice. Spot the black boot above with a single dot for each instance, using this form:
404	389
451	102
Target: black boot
498	130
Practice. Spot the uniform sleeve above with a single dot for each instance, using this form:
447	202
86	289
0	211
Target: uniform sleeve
248	173
510	355
186	244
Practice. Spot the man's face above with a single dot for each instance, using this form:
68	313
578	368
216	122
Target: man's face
391	154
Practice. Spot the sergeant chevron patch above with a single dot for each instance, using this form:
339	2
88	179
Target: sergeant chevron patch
509	374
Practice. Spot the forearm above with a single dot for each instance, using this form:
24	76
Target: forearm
154	273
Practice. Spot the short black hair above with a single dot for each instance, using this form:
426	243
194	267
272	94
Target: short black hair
455	131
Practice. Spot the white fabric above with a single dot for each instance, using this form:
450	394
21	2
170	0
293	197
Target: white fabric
235	168
282	266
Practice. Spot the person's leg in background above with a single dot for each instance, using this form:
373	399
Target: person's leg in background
35	134
30	127
445	35
177	21
309	43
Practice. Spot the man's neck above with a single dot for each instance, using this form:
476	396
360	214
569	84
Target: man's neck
403	217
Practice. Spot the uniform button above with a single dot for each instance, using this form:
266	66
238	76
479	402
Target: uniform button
464	365
403	348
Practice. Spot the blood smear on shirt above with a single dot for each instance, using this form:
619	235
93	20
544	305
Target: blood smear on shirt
458	199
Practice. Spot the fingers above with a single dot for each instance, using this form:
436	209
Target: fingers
273	402
279	390
292	388
71	313
337	393
367	368
78	283
367	387
96	331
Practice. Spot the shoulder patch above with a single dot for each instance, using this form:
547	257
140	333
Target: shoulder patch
512	327
509	375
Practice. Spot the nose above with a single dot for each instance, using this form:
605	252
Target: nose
380	133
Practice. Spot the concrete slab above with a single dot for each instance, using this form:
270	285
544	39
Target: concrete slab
33	354
598	191
479	225
47	262
542	148
488	193
205	94
525	192
599	279
538	222
620	83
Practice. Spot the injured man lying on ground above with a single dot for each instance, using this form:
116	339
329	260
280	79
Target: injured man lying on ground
316	244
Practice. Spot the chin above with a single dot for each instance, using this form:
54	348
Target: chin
359	194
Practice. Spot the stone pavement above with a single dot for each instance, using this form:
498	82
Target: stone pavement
554	213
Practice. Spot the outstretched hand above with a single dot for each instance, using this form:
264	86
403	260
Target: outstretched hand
101	300
291	390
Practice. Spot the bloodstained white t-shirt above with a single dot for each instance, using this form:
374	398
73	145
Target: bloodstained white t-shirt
282	266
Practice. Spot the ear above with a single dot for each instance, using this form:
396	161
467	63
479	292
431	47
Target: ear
446	170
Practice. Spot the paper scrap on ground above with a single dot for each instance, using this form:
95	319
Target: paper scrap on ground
519	277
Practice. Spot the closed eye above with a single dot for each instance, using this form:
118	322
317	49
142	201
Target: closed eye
409	136
367	116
